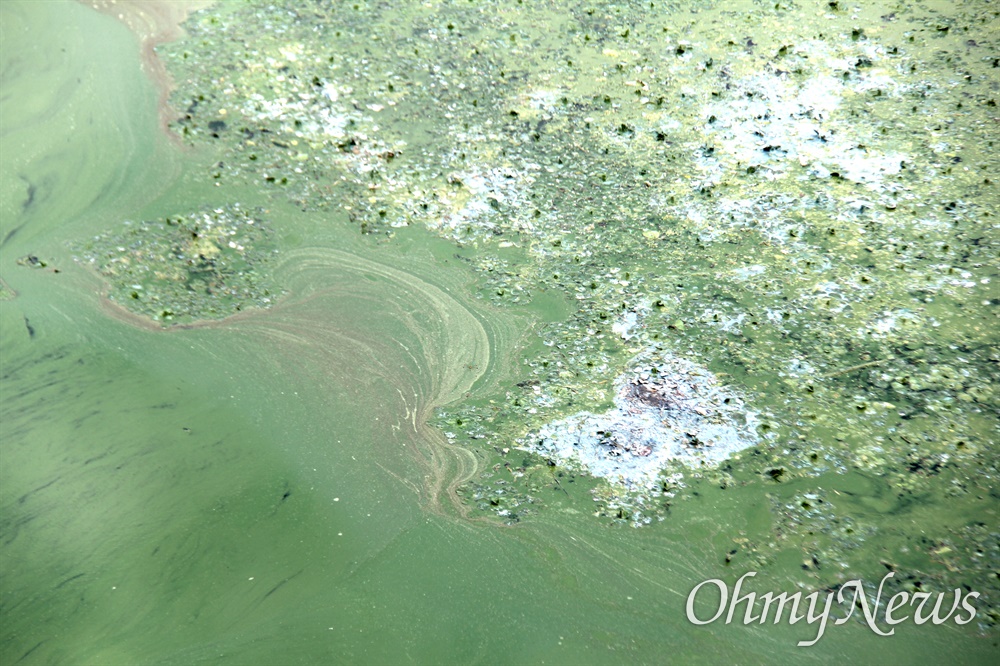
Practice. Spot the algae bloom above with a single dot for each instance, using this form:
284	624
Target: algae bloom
666	410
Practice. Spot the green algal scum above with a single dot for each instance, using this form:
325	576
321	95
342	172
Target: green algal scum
207	264
799	202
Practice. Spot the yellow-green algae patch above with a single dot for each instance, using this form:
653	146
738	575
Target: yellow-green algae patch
204	265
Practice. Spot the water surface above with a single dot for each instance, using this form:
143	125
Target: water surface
266	488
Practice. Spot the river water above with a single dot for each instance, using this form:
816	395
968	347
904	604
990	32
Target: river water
269	488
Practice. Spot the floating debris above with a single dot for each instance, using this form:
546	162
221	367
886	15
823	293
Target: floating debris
666	410
31	261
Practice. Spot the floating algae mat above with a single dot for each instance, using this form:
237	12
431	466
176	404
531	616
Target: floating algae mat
195	266
485	332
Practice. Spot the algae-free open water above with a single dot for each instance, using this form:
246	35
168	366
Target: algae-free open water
280	486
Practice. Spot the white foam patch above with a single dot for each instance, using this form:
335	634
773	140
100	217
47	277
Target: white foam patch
666	410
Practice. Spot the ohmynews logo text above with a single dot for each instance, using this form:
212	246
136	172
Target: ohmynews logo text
896	608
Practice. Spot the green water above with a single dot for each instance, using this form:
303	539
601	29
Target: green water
265	489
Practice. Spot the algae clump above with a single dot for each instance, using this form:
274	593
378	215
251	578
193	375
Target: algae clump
202	265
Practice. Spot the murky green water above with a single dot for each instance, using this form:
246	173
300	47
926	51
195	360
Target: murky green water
266	489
